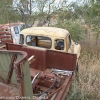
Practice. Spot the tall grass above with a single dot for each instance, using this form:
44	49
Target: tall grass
88	85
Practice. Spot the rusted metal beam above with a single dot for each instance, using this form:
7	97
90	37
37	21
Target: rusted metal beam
11	67
4	41
62	93
1	33
3	37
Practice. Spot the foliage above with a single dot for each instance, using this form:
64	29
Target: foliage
7	13
74	28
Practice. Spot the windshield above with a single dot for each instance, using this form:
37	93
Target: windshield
38	41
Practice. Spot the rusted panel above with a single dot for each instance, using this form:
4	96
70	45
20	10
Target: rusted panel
4	41
32	72
2	32
61	60
2	36
39	55
11	46
8	91
5	37
47	58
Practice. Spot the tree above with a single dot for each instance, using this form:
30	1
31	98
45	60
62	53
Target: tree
7	12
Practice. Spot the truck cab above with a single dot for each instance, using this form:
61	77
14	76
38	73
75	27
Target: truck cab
50	38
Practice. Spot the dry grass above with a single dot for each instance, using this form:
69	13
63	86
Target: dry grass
89	79
88	85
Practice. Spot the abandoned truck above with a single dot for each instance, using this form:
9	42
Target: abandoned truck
33	72
46	75
50	38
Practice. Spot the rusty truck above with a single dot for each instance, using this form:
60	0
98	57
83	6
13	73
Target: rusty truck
41	67
35	74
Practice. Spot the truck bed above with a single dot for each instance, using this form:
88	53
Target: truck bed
43	71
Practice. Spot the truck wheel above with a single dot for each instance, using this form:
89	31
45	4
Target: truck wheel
77	67
77	72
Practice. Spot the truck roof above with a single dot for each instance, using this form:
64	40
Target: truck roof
47	31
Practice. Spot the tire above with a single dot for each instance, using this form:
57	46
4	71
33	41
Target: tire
77	67
77	72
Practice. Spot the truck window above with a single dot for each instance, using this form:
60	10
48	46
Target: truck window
59	44
69	41
21	39
39	41
16	30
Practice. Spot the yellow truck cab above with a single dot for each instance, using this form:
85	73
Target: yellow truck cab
49	38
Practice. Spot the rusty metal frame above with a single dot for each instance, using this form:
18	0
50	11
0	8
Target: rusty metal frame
54	56
14	57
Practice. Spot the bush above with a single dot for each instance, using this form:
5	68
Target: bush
74	29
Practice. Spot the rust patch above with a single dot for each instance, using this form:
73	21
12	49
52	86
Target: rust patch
8	91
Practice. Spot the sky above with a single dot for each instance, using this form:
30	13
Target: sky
80	2
56	2
68	1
